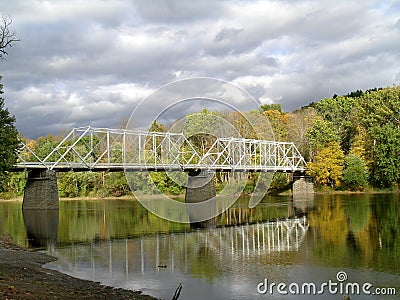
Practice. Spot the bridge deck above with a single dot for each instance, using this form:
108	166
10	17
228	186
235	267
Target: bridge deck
76	167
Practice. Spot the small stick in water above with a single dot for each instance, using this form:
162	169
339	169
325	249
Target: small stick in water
177	292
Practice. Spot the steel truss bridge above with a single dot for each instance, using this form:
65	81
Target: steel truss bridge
105	149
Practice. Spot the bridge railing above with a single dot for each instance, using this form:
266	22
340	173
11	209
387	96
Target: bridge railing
96	149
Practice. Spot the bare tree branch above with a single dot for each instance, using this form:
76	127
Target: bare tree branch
7	38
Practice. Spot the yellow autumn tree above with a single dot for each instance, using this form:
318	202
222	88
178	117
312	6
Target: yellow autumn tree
279	122
361	146
328	164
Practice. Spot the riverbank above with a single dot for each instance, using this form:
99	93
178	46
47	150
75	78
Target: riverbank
23	277
124	197
182	196
367	191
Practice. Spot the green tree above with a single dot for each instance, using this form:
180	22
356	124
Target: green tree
44	146
386	154
327	167
273	106
88	183
340	112
17	182
355	173
164	183
68	185
9	141
279	183
116	184
319	135
202	128
156	127
379	113
380	107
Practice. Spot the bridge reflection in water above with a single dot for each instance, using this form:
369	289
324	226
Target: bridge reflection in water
182	252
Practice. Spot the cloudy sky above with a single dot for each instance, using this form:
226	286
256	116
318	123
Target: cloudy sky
90	62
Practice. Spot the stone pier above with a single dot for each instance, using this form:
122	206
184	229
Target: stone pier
41	190
201	188
302	187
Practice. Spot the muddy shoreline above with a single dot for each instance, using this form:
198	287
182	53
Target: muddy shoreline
23	277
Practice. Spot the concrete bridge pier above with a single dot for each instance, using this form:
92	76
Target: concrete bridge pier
201	188
41	190
302	187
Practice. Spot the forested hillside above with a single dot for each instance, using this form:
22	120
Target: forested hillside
354	140
350	142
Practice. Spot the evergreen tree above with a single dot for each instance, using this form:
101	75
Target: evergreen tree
9	142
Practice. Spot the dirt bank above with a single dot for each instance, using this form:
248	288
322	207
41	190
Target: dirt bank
23	277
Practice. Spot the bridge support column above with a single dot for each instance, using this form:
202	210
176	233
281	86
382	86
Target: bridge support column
302	187
201	188
41	190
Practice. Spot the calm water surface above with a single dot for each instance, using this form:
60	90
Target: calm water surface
118	243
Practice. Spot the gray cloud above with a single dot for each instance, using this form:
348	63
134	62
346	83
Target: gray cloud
91	63
179	11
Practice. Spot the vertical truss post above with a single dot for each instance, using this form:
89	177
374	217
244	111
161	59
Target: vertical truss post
169	155
124	148
140	148
108	146
154	149
91	144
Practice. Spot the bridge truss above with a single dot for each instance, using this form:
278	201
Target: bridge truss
104	149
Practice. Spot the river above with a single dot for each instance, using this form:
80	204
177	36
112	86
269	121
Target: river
281	249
